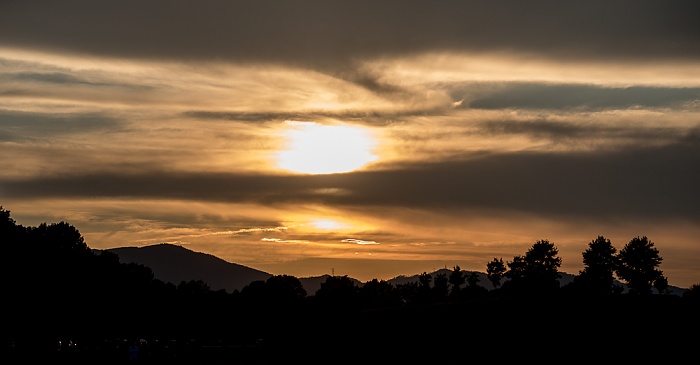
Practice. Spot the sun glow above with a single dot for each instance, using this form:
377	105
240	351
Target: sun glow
327	224
325	149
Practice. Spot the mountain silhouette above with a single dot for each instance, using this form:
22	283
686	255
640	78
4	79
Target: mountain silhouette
174	264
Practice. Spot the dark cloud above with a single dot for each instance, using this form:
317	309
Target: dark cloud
53	77
571	132
319	32
365	117
250	117
367	80
16	125
580	97
61	78
640	183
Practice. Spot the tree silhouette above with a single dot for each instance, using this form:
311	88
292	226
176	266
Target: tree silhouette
407	292
59	238
473	289
440	288
424	286
515	274
254	290
638	262
337	291
377	293
196	288
693	293
600	262
661	285
10	232
456	281
284	289
473	279
537	271
495	271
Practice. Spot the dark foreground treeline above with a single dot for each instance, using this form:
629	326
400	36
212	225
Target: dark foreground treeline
64	303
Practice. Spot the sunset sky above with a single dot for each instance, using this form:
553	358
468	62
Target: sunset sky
362	138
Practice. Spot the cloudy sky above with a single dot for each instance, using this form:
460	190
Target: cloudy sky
362	138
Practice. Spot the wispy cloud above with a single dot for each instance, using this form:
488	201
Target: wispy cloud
281	240
359	242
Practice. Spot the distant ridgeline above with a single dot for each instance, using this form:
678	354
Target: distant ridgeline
65	299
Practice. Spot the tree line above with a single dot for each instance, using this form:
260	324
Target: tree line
57	287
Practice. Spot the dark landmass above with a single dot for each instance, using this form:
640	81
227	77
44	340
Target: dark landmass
174	264
66	303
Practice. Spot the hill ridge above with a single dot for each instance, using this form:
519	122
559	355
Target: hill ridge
175	263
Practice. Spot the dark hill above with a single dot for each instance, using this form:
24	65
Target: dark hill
174	264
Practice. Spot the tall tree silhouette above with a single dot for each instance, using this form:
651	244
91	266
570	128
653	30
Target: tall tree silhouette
456	281
284	289
473	279
693	293
11	233
378	293
337	291
440	288
661	285
600	262
639	262
537	271
515	274
495	270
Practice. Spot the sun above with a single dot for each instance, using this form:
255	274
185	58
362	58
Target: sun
315	148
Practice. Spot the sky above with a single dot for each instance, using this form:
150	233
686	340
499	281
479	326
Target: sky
363	138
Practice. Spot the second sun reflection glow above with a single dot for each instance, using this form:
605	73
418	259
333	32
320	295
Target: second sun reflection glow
325	149
328	224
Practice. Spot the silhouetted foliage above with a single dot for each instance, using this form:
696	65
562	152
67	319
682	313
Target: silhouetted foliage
378	293
440	288
424	287
284	289
11	233
638	262
473	289
495	271
600	262
515	274
661	284
537	271
57	288
193	288
337	291
693	293
408	292
456	280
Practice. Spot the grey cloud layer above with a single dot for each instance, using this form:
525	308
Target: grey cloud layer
581	97
319	32
644	183
20	126
566	133
367	117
